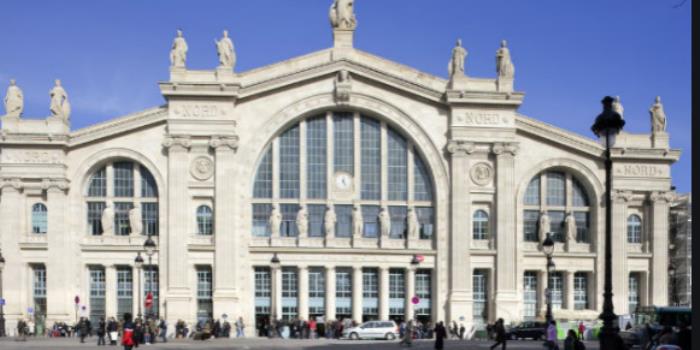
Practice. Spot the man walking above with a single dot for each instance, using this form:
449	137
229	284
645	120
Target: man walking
408	335
552	342
101	328
500	331
163	330
240	328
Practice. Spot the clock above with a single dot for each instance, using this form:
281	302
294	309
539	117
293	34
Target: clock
343	181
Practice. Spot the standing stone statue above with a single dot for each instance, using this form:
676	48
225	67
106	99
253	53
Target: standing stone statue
178	52
504	66
329	222
413	224
275	221
107	220
570	223
59	102
14	100
658	117
342	14
384	222
357	222
135	220
456	64
617	107
303	221
544	225
225	50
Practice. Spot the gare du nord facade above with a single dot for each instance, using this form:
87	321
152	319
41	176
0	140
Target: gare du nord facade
338	185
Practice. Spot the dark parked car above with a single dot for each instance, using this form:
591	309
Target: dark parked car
533	330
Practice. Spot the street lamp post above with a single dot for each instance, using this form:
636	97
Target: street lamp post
548	249
150	247
607	125
138	263
275	265
2	303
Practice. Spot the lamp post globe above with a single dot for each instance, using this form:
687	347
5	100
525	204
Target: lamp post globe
606	126
548	245
149	246
138	261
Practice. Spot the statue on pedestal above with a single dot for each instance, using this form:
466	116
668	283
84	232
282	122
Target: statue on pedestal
357	222
225	50
329	222
14	100
275	221
135	220
303	221
59	102
544	225
107	220
658	116
570	223
456	64
342	14
413	224
617	107
504	66
178	52
384	222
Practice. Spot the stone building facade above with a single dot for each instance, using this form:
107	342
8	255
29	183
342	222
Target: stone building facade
681	244
370	182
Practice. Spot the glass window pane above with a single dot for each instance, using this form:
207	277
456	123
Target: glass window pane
532	194
397	166
151	283
422	187
556	189
530	223
124	290
39	218
424	292
556	219
94	217
289	220
343	142
370	220
148	183
479	309
582	226
343	225
263	179
97	293
480	225
316	158
121	218
530	295
261	217
149	215
634	229
398	221
371	159
426	219
316	214
289	163
98	184
556	281
123	179
580	291
204	220
633	296
580	199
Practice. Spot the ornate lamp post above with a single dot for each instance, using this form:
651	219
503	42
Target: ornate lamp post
607	125
2	303
548	249
672	274
138	263
275	265
150	247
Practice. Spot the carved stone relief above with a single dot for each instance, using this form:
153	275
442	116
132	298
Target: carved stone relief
202	168
481	174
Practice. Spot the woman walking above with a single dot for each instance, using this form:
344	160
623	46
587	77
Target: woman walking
440	334
500	331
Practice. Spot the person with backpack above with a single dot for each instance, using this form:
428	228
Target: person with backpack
101	330
128	340
163	326
572	341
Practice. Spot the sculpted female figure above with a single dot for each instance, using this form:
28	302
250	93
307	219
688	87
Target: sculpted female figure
178	52
59	102
357	223
303	221
225	50
329	222
275	221
14	100
504	66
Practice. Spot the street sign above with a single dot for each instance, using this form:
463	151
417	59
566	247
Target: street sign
415	300
149	300
420	258
30	310
77	300
2	301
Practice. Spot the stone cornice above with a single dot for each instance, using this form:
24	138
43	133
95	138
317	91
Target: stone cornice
457	147
558	135
220	142
14	183
621	196
177	142
661	196
58	184
505	148
119	125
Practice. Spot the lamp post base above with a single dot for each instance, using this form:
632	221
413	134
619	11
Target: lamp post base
610	339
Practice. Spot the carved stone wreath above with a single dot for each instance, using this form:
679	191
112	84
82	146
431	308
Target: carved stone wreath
481	174
202	168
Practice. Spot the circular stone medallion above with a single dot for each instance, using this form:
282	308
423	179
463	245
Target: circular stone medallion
481	174
202	168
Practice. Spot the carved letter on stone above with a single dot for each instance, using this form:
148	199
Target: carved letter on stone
108	220
14	100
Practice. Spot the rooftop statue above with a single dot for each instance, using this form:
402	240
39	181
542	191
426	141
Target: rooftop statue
504	66
456	65
178	52
658	116
225	50
14	100
60	107
342	14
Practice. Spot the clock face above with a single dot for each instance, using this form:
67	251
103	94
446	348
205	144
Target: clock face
343	181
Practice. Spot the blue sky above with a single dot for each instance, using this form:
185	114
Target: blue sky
567	54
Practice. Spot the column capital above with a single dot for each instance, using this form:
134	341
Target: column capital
174	142
222	142
55	184
11	183
505	148
621	196
456	147
661	196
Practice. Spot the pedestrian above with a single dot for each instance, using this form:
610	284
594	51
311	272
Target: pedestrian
128	340
312	328
500	335
552	342
461	331
581	330
572	342
101	328
113	331
408	335
21	330
83	328
240	328
440	335
163	326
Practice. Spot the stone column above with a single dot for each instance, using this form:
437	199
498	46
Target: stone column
177	295
304	292
410	292
10	215
659	247
357	293
620	271
110	290
460	293
507	298
569	290
384	293
226	248
643	289
330	292
276	297
58	266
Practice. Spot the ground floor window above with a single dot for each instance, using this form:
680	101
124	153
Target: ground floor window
530	295
370	294
151	284
317	292
556	282
397	294
580	291
633	295
424	293
205	307
343	293
479	292
290	289
125	285
97	294
39	291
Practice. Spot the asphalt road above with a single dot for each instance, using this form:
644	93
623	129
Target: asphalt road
254	344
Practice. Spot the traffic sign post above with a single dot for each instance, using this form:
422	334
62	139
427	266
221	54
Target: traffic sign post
77	302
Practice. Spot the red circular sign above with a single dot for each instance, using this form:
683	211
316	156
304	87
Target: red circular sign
149	300
420	258
77	299
415	300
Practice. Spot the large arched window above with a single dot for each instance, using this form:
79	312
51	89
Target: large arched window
348	160
557	194
39	218
121	185
634	229
480	225
204	220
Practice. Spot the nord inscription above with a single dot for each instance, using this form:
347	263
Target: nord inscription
641	170
197	111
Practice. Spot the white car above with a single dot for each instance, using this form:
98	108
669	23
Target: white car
373	330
